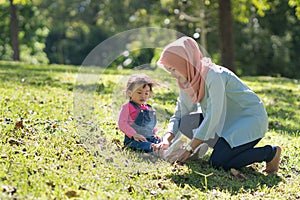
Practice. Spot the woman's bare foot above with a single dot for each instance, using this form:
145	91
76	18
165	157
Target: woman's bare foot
273	166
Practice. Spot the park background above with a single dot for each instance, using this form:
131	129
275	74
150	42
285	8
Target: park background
48	151
257	37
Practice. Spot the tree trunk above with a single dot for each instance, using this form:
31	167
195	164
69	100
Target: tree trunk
14	31
226	35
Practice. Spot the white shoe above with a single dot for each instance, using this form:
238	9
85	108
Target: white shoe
178	144
161	153
199	152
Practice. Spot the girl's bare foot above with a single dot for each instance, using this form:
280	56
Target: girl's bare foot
273	166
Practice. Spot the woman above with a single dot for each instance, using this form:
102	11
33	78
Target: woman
233	118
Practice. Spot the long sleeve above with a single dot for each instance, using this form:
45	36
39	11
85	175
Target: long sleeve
125	121
214	109
184	106
173	125
230	109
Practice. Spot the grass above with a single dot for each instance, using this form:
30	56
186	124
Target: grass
52	147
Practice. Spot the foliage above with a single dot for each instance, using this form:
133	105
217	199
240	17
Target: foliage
295	4
266	48
266	32
32	33
45	156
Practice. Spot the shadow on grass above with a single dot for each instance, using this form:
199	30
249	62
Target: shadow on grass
222	180
41	76
36	76
24	67
34	79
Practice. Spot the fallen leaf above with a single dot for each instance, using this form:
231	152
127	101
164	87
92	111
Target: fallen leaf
13	141
4	156
237	174
162	186
130	189
19	124
82	188
71	193
117	142
9	189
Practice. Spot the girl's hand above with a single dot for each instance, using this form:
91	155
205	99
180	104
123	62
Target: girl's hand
139	138
158	137
162	145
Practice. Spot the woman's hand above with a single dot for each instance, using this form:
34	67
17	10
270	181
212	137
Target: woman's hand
139	138
179	155
162	145
165	142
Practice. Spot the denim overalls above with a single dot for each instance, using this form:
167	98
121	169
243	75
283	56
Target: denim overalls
144	125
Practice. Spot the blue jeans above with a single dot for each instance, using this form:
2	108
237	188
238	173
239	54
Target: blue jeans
142	146
223	156
226	157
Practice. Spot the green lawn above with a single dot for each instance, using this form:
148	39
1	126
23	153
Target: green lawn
55	147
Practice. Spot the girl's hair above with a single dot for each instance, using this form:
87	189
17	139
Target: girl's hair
138	80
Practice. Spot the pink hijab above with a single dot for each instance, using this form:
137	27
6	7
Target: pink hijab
185	57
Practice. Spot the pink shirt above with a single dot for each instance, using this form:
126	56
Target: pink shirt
127	116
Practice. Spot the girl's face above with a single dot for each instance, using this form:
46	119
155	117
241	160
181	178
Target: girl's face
174	73
140	95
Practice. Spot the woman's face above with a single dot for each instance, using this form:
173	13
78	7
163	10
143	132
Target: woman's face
174	73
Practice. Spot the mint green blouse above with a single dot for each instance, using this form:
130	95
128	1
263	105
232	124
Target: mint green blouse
230	109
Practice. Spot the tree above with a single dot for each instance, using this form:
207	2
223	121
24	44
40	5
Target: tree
14	30
22	32
226	35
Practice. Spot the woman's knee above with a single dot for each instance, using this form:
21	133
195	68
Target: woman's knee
218	162
215	163
190	122
219	165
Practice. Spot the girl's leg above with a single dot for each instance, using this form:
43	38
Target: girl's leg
226	157
152	139
142	146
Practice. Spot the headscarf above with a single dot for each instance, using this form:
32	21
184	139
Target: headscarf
185	57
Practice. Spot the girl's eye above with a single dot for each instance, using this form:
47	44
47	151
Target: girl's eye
147	93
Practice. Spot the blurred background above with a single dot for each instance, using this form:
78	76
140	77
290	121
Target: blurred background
251	37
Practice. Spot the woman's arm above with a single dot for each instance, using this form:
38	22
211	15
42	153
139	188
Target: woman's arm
183	107
215	110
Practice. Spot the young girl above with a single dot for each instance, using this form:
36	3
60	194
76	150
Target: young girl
137	119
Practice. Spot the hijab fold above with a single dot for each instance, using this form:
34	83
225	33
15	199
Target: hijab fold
185	57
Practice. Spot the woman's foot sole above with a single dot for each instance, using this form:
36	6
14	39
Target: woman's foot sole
273	166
